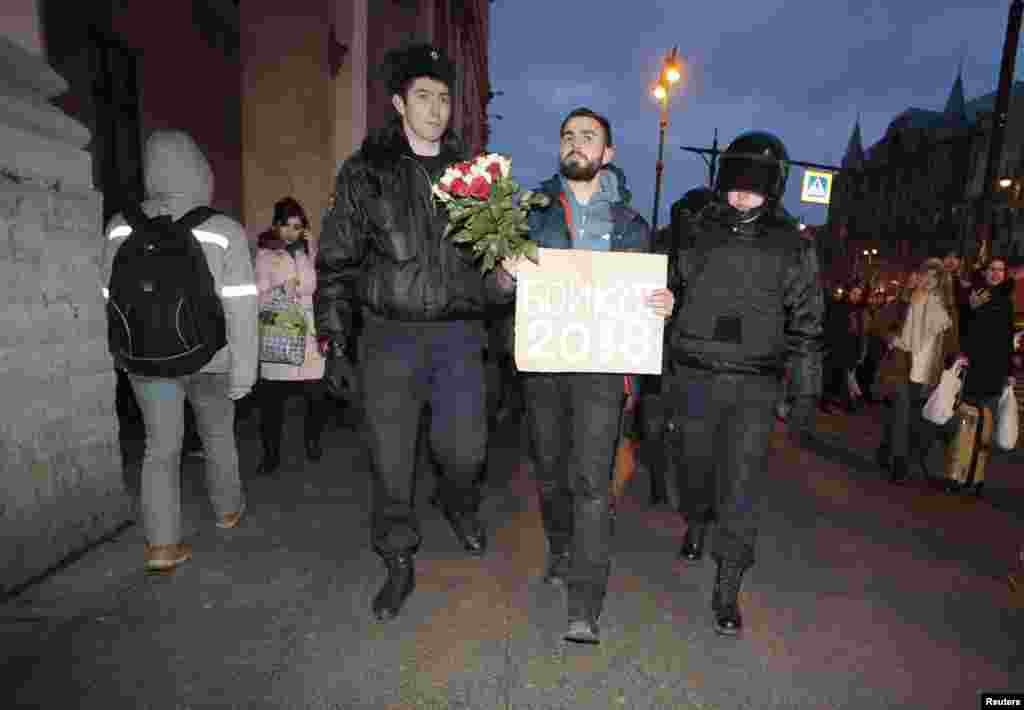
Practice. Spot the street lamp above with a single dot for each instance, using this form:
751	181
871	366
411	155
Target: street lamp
870	254
671	74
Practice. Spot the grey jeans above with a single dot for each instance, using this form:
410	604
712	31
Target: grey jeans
162	401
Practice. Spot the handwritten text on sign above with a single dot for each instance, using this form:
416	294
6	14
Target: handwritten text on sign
585	311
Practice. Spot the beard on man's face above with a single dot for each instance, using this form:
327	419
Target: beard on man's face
576	167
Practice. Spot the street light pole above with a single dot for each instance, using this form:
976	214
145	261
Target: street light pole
660	165
999	118
671	72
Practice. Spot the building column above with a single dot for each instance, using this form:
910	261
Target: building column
350	83
286	108
63	485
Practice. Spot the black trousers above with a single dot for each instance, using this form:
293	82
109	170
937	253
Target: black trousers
574	423
406	366
651	452
718	439
272	395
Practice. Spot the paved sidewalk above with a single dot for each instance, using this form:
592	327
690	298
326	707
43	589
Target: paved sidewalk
866	596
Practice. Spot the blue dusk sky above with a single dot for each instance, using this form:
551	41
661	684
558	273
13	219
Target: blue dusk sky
803	70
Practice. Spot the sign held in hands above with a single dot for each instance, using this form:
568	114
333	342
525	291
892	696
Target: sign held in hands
586	311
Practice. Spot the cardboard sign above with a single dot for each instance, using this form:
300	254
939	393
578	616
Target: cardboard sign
585	311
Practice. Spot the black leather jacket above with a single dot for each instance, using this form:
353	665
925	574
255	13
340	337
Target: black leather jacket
382	245
748	300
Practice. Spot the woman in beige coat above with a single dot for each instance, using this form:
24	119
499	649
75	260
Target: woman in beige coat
285	265
924	336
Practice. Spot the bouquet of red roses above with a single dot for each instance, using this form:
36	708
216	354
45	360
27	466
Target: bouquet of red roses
487	211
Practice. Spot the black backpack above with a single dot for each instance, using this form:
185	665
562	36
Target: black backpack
164	315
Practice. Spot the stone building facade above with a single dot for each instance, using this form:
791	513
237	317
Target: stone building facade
62	480
904	196
916	191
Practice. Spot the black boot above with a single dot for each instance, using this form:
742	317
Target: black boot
399	585
692	551
900	469
725	598
585	601
316	414
559	566
469	530
882	456
271	459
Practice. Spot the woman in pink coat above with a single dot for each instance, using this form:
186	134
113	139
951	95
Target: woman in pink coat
285	264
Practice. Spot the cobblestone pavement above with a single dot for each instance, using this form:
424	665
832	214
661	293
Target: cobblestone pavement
866	595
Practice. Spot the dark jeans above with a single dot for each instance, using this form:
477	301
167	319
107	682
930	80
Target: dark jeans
718	440
574	423
406	366
836	384
906	432
272	395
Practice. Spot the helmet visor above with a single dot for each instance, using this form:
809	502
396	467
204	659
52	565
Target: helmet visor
751	173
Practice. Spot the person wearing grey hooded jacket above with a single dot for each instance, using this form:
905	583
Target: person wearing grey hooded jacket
179	179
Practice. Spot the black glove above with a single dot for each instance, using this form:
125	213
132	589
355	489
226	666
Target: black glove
800	421
340	374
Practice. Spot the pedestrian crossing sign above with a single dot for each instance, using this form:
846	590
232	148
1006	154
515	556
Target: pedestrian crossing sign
817	186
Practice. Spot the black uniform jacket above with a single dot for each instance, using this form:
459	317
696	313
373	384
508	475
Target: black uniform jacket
382	244
748	300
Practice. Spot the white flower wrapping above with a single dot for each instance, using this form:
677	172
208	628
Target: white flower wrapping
490	167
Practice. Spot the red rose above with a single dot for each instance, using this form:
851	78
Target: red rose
480	188
459	187
464	167
494	169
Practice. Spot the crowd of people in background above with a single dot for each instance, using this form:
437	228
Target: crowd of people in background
887	346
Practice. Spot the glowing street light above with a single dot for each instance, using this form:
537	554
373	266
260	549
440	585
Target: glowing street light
1005	182
671	74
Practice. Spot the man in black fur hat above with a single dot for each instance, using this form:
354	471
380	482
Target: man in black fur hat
423	303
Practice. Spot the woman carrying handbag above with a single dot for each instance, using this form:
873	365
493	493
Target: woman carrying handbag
286	278
918	341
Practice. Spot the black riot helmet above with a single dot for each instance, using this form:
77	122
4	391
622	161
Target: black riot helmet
754	162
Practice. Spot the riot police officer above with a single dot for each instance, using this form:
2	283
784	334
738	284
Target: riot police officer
651	452
749	306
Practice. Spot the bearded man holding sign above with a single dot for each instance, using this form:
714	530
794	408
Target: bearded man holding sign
577	330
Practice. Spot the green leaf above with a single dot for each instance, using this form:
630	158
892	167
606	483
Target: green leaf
532	252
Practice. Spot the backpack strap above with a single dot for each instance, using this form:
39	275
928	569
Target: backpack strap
196	216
